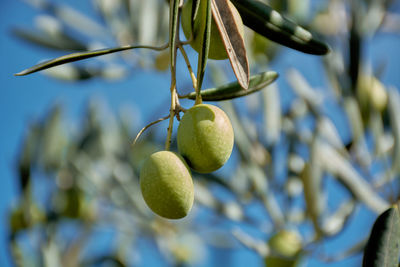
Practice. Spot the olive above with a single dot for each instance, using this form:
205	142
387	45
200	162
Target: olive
166	184
205	138
217	48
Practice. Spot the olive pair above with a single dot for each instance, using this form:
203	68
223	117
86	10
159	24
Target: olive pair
205	142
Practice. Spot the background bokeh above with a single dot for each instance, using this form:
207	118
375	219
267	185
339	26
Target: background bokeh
145	92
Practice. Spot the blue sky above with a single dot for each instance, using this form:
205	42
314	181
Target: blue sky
24	99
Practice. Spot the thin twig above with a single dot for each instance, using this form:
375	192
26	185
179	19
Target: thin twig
173	46
194	81
172	113
147	126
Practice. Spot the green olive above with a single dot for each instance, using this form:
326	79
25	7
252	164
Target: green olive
217	48
286	243
167	185
286	249
205	138
372	92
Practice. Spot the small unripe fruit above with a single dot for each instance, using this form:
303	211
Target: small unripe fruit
205	138
286	243
217	48
285	247
372	91
167	185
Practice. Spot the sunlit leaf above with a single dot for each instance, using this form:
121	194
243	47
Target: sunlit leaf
234	89
394	113
313	98
71	17
232	39
272	114
334	223
329	132
353	111
312	183
350	178
60	42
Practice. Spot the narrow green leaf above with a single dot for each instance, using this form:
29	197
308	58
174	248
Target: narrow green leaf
352	108
173	23
272	114
343	170
28	155
195	11
383	246
104	260
355	42
234	89
70	17
302	88
312	183
162	22
80	56
394	116
269	23
203	55
232	39
328	131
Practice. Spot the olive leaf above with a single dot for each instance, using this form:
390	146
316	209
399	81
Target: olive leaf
272	114
80	56
394	116
61	41
354	44
71	17
383	246
232	39
266	21
234	89
28	155
347	175
206	35
312	177
173	33
112	260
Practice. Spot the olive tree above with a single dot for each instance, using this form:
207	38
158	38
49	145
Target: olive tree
273	196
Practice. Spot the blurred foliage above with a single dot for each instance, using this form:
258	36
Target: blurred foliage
74	184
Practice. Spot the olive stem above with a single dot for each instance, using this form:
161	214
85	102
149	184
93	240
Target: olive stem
171	117
148	126
173	46
194	80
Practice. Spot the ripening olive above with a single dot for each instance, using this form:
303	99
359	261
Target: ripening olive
166	185
217	48
205	138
